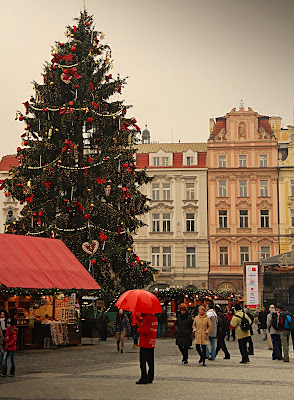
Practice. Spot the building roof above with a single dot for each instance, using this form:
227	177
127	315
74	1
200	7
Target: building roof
41	263
8	162
171	147
283	259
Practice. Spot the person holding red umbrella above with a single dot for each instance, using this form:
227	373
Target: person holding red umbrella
147	342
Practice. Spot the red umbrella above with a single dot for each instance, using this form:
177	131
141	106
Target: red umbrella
139	300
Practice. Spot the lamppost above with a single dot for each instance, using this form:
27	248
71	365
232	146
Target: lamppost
259	253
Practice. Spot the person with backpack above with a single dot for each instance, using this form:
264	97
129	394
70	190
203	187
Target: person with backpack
222	328
285	325
272	326
242	323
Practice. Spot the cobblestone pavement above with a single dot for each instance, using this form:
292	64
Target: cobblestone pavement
99	372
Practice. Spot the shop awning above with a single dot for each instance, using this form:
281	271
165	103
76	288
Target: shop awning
41	263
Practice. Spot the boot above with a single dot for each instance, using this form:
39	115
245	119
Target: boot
4	372
117	345
12	372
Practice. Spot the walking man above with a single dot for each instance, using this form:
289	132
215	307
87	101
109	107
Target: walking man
241	335
222	328
285	329
213	333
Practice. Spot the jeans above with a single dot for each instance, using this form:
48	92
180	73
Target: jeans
232	332
243	348
147	357
285	334
277	348
6	355
135	334
212	346
161	328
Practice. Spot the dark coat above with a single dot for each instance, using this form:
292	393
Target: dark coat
222	325
104	319
262	316
184	329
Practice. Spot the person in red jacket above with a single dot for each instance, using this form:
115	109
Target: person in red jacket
136	319
147	341
10	347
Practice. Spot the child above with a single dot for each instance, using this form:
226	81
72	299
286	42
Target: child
10	347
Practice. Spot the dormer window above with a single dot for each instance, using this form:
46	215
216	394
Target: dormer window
190	161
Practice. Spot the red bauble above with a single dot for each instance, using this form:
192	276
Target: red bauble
25	142
66	112
28	126
6	194
87	23
54	67
93	262
61	44
145	269
21	202
103	259
74	49
90	159
34	214
45	109
87	216
125	165
77	86
69	237
65	200
90	119
18	149
20	118
19	184
70	103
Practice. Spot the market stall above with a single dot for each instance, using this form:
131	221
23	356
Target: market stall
41	285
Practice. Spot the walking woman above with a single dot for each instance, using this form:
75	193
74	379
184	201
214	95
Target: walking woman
183	331
202	326
121	326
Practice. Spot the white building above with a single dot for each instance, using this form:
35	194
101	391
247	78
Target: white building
175	239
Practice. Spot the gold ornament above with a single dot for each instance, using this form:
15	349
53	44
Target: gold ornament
59	161
89	190
71	35
92	205
51	83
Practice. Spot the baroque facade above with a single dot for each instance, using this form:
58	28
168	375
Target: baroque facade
175	236
242	154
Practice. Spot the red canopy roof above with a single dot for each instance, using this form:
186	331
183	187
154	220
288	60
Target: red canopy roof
41	263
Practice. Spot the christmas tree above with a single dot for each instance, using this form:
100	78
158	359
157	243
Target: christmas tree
77	178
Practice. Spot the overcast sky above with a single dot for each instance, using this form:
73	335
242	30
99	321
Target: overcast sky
187	60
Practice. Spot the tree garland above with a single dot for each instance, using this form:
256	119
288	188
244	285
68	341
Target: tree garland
18	291
200	293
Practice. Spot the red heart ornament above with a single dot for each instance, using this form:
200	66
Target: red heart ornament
90	248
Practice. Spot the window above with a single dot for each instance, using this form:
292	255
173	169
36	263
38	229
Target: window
243	218
292	218
155	222
244	254
263	188
222	189
263	160
223	256
264	218
166	260
190	191
223	219
242	161
166	191
190	257
265	252
243	188
190	223
190	161
166	222
165	162
155	256
292	187
155	191
222	161
155	161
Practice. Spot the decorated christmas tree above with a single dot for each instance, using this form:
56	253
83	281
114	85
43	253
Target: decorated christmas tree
77	178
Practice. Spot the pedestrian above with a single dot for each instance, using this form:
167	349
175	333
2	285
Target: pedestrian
250	341
161	319
104	319
213	333
183	331
272	326
242	335
202	327
136	319
285	331
256	320
121	327
10	347
4	316
147	341
231	330
262	316
222	328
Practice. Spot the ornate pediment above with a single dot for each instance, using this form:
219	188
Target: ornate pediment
223	242
264	204
243	204
222	205
244	242
161	207
162	178
190	207
265	242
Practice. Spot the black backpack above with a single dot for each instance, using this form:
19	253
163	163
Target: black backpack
245	324
275	321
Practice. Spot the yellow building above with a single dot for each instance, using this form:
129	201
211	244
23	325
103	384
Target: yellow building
285	138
